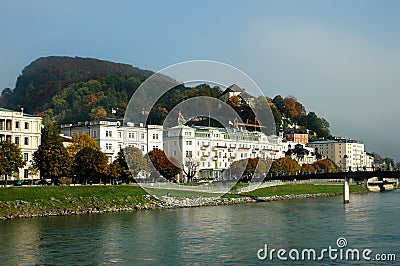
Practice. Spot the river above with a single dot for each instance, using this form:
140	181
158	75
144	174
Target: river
223	235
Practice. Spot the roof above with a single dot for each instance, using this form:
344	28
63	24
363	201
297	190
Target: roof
232	88
13	111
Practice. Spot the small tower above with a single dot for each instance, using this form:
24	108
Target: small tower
281	130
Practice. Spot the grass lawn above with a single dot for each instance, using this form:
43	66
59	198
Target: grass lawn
38	193
297	189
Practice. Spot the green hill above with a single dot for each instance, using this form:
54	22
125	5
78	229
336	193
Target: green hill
72	89
50	76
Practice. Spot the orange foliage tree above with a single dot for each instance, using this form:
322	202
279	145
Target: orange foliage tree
285	165
325	165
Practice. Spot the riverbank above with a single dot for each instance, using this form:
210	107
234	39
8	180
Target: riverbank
26	202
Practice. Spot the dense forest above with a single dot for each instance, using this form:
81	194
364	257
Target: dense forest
72	89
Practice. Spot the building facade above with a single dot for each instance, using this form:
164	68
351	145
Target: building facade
113	135
346	153
215	149
25	131
297	136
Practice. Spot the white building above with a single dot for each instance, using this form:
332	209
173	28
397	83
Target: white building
346	153
113	135
25	131
216	148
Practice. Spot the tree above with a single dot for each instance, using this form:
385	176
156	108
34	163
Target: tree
318	125
280	104
162	164
285	165
190	168
90	165
119	168
10	159
308	168
290	105
245	169
129	162
52	160
80	141
325	165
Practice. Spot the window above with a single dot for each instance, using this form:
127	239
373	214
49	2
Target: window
131	135
17	124
109	134
119	134
142	135
155	136
26	172
174	153
26	156
188	154
26	141
143	147
94	133
17	140
108	146
188	142
26	125
188	133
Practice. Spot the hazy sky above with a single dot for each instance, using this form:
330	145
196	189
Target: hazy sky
341	59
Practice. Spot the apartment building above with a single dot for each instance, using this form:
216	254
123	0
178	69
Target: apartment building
25	131
114	134
346	153
216	148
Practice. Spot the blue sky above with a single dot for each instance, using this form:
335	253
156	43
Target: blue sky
341	59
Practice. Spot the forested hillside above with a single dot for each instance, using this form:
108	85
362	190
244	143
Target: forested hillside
72	89
48	77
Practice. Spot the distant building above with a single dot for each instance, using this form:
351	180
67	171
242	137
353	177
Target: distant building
215	149
25	131
297	136
302	154
233	90
346	153
113	134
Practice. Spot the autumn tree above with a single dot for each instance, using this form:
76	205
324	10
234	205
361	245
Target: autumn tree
10	159
286	166
80	141
308	168
162	164
245	169
325	165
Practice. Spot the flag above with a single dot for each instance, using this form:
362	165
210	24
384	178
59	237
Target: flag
258	121
230	123
181	115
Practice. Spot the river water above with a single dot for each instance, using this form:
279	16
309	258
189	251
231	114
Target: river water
221	235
